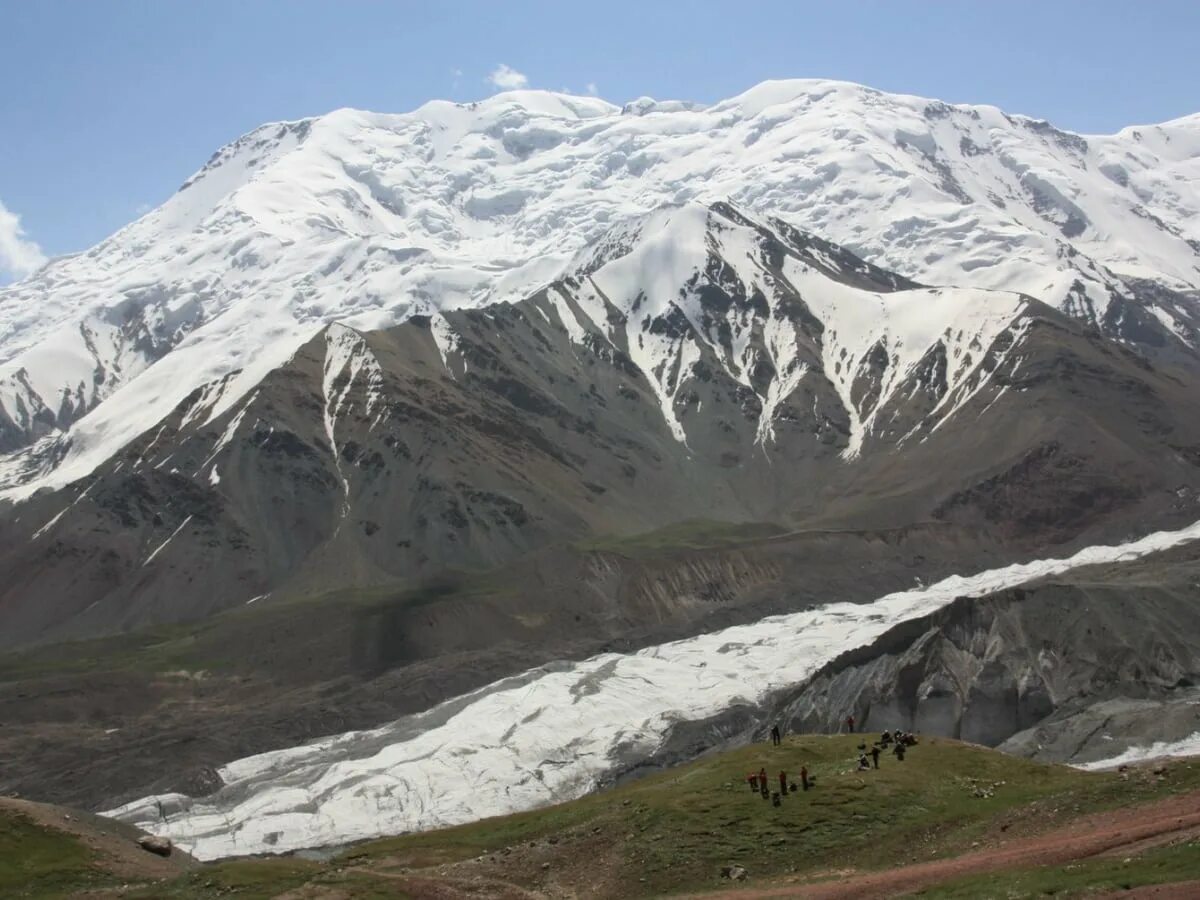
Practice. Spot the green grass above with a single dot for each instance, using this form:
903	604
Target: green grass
220	644
217	645
42	862
675	829
678	828
695	534
151	650
1163	865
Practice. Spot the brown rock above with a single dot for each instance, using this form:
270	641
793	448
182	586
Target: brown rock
154	844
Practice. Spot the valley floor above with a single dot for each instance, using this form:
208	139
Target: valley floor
953	820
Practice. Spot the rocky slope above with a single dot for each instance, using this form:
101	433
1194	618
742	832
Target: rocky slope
699	360
1073	669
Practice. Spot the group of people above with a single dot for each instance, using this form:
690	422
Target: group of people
868	759
760	784
898	737
899	741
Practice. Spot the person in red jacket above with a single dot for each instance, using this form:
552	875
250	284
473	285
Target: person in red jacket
850	724
804	777
783	782
753	779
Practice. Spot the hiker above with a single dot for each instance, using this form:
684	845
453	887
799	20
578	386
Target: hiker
161	811
804	777
762	777
776	739
885	738
899	751
763	789
753	779
782	782
875	755
850	723
863	765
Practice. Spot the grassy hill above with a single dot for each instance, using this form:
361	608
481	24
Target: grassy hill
674	832
50	851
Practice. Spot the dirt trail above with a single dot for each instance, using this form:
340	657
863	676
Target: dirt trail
1093	835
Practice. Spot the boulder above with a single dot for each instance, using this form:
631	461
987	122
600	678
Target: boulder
154	844
733	873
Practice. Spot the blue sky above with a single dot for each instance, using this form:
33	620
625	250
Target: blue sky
108	106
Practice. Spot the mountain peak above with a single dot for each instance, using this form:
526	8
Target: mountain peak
363	217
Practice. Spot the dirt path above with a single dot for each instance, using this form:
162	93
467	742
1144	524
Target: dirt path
1094	835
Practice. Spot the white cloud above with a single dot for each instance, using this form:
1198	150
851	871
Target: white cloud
592	89
507	78
18	255
457	73
142	208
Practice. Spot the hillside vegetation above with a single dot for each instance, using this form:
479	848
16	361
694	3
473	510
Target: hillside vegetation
676	831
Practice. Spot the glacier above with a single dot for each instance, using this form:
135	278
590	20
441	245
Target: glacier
550	734
1188	746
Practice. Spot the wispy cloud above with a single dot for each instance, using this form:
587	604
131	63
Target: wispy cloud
507	78
592	89
18	254
142	208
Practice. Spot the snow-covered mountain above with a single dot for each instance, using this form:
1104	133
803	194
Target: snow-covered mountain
696	361
696	288
365	219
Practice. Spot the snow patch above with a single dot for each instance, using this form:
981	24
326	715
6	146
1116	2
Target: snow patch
159	549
